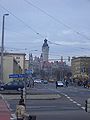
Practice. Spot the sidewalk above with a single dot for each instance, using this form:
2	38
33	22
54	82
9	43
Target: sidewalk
5	113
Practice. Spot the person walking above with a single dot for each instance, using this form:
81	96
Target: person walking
56	84
21	110
66	83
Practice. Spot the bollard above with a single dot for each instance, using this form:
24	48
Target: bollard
87	105
24	94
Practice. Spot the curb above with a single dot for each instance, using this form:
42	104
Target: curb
36	97
8	106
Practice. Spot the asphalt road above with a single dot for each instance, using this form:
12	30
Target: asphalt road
69	106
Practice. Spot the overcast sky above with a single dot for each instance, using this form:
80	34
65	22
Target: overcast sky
64	22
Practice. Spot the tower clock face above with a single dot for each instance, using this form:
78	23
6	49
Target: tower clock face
45	49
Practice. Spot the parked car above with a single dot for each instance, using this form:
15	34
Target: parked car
13	85
59	84
51	80
45	81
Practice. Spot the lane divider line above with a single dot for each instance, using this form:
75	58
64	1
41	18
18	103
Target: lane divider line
78	104
71	99
74	101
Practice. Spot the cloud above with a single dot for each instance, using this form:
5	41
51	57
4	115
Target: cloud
72	43
67	32
67	43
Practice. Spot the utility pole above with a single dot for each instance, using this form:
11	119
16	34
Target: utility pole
2	46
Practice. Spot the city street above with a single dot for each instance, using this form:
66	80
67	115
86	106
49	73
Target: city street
70	105
45	59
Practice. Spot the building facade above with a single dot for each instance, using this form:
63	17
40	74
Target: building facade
20	58
10	66
80	66
45	51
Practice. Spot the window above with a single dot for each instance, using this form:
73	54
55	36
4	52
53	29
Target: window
17	57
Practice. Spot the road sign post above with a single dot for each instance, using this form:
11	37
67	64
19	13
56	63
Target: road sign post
21	76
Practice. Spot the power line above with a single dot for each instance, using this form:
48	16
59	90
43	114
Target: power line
21	21
54	43
57	20
34	29
27	25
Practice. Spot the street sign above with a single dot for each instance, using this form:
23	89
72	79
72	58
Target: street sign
29	71
17	75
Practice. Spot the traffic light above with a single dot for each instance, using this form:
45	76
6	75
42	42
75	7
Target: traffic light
87	105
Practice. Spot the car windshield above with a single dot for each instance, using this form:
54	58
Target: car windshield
45	59
10	83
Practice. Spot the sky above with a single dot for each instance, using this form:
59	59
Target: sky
64	23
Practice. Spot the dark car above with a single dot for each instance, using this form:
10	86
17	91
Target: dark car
13	85
45	81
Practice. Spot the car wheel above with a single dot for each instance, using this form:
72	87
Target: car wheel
1	88
19	89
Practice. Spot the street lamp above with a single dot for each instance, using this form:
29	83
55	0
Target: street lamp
2	45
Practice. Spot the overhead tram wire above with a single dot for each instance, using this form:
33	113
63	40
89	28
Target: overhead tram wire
46	13
34	29
22	21
57	20
27	25
54	43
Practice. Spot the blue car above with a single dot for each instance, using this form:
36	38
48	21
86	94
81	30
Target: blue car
13	85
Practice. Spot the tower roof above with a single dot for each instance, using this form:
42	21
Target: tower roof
45	43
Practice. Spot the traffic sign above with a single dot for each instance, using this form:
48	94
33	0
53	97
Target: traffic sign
29	71
17	75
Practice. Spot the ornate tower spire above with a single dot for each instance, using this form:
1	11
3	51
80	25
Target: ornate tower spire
45	50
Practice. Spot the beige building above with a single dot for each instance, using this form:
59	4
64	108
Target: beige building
27	64
10	66
80	66
20	58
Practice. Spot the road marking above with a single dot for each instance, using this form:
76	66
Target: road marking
65	95
83	108
73	101
33	107
7	104
68	97
78	104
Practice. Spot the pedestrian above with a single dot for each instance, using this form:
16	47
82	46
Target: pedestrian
66	83
56	84
21	110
